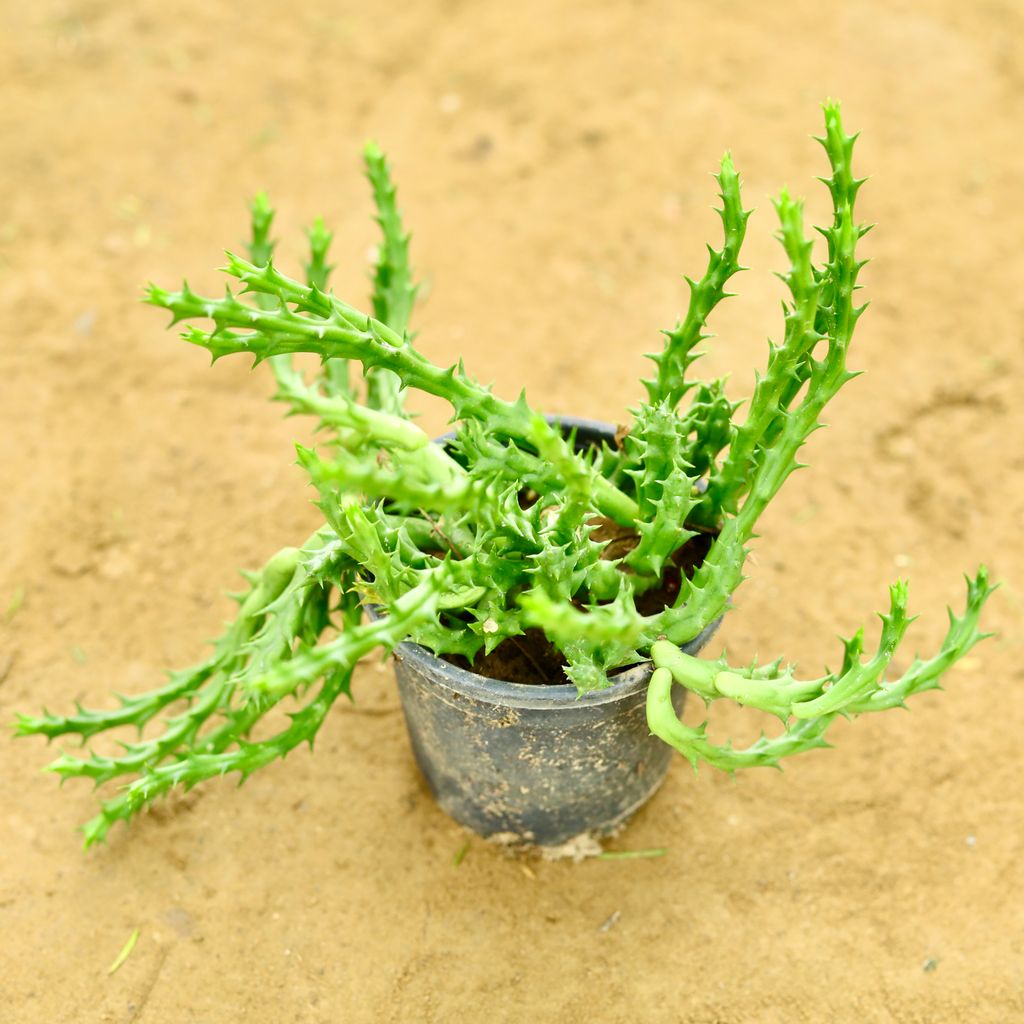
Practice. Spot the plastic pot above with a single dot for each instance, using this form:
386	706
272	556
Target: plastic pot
535	764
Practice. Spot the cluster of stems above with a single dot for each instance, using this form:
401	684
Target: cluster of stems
466	545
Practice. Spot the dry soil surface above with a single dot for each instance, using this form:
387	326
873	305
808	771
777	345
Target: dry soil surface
553	160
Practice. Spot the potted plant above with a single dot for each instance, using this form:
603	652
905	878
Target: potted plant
544	584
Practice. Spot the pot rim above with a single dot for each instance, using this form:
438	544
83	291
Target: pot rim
626	682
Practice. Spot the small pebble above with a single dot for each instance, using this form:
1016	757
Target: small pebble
85	322
181	921
450	103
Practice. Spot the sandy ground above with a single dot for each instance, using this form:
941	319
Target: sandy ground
554	165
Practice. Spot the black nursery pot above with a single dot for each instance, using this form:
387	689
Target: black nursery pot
534	764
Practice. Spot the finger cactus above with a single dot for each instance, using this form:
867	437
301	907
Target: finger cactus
465	546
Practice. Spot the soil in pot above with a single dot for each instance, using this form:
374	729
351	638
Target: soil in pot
532	658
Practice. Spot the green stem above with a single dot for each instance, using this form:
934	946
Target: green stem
331	328
805	707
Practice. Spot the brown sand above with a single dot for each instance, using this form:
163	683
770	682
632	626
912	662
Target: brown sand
554	165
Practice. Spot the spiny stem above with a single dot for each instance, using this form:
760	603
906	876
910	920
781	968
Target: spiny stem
806	707
331	328
670	383
393	290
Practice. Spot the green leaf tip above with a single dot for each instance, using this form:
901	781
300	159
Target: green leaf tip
154	295
261	218
261	213
126	952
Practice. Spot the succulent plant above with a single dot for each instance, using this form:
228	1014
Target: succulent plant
510	525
